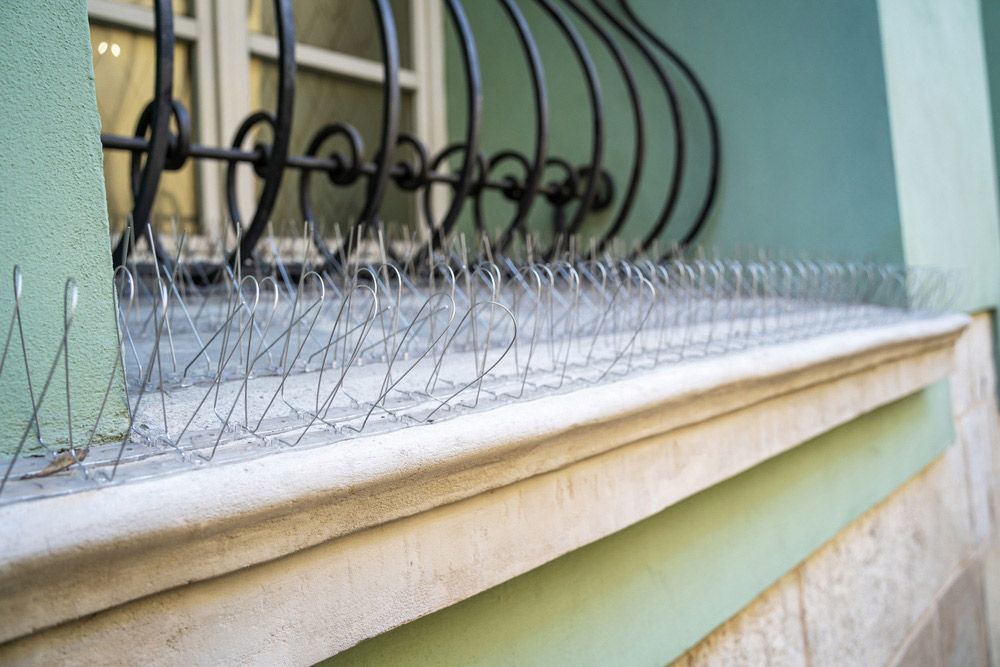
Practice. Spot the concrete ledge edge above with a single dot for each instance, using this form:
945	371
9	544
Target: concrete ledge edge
114	545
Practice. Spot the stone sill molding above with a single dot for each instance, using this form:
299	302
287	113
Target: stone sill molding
294	557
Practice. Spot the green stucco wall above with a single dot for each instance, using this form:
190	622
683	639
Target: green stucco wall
939	102
646	594
942	63
990	15
801	99
53	220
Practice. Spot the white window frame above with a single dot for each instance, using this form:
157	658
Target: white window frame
223	46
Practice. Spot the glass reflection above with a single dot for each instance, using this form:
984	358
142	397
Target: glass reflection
345	26
123	75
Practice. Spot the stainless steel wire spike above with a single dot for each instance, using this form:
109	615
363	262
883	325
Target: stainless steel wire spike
284	350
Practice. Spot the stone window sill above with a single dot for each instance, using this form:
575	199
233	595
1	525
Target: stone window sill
297	556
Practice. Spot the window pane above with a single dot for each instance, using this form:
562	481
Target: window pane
346	26
321	99
123	74
181	7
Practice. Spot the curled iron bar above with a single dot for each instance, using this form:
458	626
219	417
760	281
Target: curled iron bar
639	150
156	118
526	192
592	172
271	164
473	114
389	44
674	109
588	187
464	183
706	104
346	172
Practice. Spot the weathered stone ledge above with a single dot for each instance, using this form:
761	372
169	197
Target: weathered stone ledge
343	542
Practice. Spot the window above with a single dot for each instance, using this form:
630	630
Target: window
224	69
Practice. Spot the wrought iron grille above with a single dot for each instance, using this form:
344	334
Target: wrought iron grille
250	354
162	140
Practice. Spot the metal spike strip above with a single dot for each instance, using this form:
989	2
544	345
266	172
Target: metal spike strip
290	351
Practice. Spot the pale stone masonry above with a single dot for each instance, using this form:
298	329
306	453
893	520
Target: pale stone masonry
916	579
218	577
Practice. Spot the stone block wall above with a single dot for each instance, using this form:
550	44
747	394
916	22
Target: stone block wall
916	580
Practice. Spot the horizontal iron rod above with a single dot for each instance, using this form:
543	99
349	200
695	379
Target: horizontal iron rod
306	163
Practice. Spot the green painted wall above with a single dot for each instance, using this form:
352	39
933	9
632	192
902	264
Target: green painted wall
990	16
799	89
942	63
53	220
942	130
644	595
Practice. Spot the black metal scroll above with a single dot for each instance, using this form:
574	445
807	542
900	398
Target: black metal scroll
271	160
673	108
524	193
576	193
637	118
155	117
706	104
